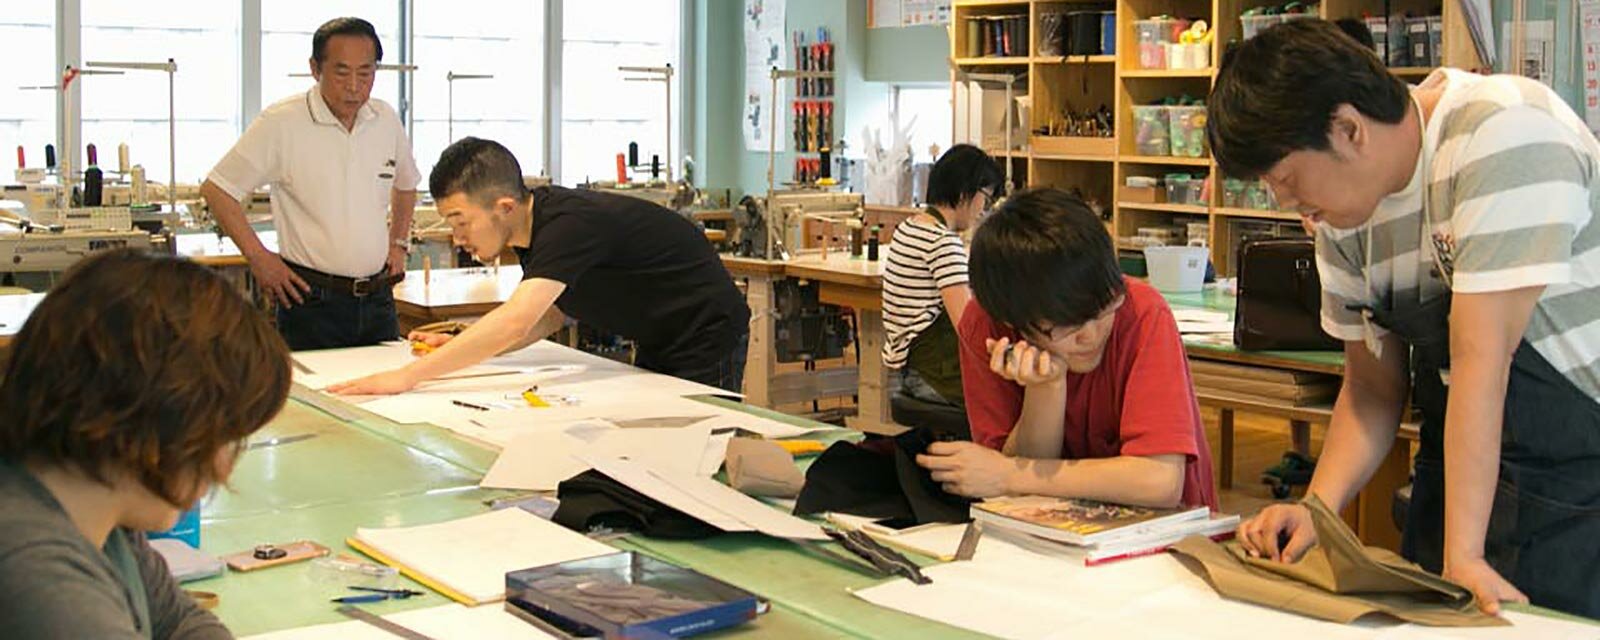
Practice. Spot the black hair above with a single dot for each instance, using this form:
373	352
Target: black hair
346	26
1358	30
1277	92
1044	260
960	174
484	170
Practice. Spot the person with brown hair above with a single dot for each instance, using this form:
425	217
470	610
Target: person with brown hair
128	394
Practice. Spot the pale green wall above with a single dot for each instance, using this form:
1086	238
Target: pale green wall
909	54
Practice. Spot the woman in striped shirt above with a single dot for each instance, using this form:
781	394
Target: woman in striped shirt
925	276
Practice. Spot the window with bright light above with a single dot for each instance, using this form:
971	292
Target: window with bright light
507	107
28	116
927	112
286	29
601	112
132	108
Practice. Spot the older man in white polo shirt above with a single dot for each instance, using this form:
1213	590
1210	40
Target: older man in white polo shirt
336	161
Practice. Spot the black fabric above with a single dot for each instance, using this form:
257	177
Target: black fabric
1280	297
638	270
592	499
1546	514
880	479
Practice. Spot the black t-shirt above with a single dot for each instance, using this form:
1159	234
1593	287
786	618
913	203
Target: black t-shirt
638	270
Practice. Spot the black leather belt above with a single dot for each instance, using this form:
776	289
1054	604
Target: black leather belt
354	287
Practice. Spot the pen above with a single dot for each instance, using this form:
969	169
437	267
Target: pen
469	405
362	599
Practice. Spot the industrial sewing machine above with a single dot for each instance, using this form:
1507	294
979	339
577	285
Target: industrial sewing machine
780	229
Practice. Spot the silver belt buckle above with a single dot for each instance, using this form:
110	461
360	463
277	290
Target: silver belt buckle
361	287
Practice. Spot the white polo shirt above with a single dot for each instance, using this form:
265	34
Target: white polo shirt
330	187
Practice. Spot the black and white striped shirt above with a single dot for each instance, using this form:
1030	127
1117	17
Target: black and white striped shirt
923	259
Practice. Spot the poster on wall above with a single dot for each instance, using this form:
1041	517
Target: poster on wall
764	48
1590	10
888	14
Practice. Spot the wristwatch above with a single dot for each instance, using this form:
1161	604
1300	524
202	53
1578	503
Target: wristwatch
403	245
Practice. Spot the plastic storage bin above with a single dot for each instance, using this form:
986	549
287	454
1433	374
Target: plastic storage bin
1177	269
1178	188
1233	193
1152	130
1188	131
1154	34
1256	196
1252	25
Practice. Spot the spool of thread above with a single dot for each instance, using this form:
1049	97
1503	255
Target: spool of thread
137	176
622	169
633	154
92	179
22	158
872	244
655	167
825	163
49	156
122	158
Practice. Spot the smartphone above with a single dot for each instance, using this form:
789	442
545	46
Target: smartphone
897	526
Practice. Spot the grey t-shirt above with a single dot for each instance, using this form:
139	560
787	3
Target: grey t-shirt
55	584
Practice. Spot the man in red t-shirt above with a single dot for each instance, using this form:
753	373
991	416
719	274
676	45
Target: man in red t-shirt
1074	375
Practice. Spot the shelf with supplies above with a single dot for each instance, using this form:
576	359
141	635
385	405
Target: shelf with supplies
1160	58
1167	73
1102	59
1166	160
1192	209
993	61
1072	157
1264	214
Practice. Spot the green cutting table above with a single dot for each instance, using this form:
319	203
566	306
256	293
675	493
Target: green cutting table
370	472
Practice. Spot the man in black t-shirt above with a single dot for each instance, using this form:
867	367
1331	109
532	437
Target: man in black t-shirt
618	264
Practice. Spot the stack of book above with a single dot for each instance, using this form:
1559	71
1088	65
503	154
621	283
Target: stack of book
997	36
1107	532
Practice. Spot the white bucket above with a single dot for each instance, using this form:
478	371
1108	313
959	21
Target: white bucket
1177	269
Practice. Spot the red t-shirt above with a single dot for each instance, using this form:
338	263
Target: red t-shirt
1138	402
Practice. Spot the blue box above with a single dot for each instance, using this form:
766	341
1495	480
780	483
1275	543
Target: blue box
186	529
578	599
1108	33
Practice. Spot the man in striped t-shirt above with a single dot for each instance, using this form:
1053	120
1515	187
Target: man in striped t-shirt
925	276
1455	219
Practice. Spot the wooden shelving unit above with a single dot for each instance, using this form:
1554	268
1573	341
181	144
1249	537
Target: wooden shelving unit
1084	83
1194	209
1261	214
1017	61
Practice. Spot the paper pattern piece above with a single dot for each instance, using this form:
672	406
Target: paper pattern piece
449	622
540	460
472	555
710	501
1020	588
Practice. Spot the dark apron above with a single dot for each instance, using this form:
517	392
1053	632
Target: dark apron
1544	530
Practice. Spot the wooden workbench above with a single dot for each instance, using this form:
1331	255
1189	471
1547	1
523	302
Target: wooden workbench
452	293
842	280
